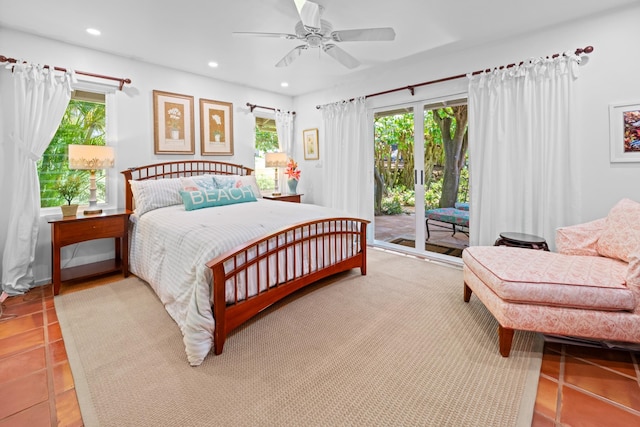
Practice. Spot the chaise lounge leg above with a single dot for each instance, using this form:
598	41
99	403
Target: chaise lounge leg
467	293
505	336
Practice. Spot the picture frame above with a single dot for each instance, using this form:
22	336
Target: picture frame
310	144
216	128
624	128
173	127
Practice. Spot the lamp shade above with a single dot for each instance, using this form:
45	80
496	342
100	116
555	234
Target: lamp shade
90	157
275	160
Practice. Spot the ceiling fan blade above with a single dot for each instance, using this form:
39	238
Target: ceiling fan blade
275	35
364	35
309	13
291	56
341	56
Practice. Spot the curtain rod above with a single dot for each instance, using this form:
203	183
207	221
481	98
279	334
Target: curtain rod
254	106
411	88
84	73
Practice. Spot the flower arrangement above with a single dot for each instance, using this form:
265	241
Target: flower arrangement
292	170
174	117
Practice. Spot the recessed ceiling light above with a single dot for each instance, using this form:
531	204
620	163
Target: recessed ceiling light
284	84
213	64
93	31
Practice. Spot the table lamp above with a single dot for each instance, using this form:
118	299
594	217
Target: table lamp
276	160
91	157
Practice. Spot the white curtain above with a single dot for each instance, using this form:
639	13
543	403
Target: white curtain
522	150
348	148
284	129
40	98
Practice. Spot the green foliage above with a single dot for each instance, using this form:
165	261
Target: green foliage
69	187
264	182
266	140
392	205
432	195
83	123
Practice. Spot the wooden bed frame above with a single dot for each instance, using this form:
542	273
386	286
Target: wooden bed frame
302	238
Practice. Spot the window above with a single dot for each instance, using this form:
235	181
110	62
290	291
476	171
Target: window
84	122
266	142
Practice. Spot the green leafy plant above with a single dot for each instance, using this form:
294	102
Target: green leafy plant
69	187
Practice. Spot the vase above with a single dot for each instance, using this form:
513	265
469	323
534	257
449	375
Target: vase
175	133
293	185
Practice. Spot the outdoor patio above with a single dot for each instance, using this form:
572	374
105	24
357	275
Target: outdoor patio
400	229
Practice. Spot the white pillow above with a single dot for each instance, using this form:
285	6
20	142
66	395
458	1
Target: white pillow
155	193
237	181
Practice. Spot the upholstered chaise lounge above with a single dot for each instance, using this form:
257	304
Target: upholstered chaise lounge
589	288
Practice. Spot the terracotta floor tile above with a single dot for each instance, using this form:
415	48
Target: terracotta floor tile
602	382
67	409
62	378
20	324
547	398
540	420
24	308
614	359
579	409
22	393
551	364
22	364
35	416
58	352
52	317
17	343
54	332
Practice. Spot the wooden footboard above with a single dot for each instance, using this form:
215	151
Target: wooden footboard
268	269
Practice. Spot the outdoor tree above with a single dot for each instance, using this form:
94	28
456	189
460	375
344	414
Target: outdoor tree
82	123
452	122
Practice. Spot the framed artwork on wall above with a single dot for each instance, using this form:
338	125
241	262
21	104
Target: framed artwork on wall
173	127
624	129
310	142
216	128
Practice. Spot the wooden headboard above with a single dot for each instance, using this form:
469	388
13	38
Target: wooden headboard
177	169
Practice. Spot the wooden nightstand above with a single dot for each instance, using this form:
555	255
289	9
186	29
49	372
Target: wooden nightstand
293	198
75	229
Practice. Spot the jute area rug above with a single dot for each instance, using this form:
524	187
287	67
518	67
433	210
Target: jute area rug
397	347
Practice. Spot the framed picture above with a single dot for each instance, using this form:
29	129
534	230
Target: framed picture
624	128
310	141
216	128
173	123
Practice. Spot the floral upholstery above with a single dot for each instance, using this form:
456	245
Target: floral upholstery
449	215
621	236
540	277
590	288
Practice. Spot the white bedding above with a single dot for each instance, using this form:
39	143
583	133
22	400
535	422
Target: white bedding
170	248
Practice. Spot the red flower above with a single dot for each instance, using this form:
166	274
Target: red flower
292	170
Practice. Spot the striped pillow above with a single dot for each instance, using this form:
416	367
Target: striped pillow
154	194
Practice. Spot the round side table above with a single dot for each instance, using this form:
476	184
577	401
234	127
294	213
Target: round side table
521	240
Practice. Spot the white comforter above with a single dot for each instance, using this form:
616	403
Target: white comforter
170	247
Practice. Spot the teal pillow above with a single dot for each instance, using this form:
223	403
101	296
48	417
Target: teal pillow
218	197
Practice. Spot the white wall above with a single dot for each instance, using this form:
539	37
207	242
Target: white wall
134	117
610	75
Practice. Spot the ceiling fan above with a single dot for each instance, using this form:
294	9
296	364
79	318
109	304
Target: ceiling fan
318	33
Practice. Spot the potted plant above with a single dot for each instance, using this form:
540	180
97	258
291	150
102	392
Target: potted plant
69	188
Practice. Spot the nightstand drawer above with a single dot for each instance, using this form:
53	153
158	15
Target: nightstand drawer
89	229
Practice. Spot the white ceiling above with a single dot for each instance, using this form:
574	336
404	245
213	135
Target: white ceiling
188	34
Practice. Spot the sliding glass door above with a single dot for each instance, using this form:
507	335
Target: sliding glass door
413	175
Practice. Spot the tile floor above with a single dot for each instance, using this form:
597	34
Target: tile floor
578	386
